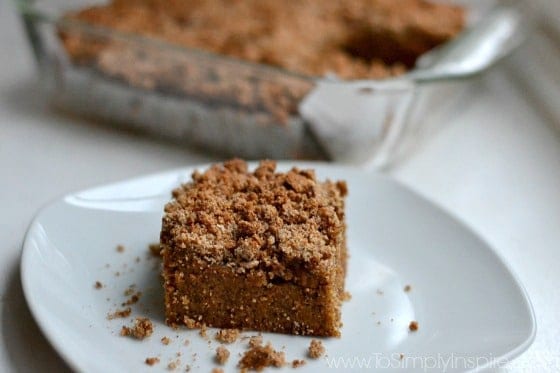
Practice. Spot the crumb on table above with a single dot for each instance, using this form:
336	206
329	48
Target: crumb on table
222	355
316	349
165	340
215	370
407	288
120	248
297	363
413	326
98	285
141	329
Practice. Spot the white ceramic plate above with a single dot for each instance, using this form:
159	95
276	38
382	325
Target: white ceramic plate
471	310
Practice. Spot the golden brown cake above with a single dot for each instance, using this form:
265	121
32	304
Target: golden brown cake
260	250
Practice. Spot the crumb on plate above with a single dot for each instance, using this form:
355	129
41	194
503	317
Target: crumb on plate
141	329
227	335
119	314
152	360
222	355
316	349
260	357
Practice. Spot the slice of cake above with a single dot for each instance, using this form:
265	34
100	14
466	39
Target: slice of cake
255	250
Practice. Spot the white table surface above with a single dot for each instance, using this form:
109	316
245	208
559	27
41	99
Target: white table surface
495	165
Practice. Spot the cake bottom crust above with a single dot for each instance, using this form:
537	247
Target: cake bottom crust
219	297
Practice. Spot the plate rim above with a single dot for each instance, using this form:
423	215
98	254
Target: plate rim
67	357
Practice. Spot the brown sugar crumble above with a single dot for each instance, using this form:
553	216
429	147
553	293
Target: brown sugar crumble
361	39
119	314
227	335
255	341
222	355
141	329
202	331
120	249
174	364
165	340
298	363
155	249
98	285
239	246
130	290
152	360
134	298
407	288
260	357
316	349
332	36
413	326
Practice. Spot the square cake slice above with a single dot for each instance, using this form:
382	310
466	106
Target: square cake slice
259	250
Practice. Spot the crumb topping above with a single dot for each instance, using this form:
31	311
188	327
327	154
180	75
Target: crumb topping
141	329
257	220
165	340
316	349
298	363
260	357
332	36
413	326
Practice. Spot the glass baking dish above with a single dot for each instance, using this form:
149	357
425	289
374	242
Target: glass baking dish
228	106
